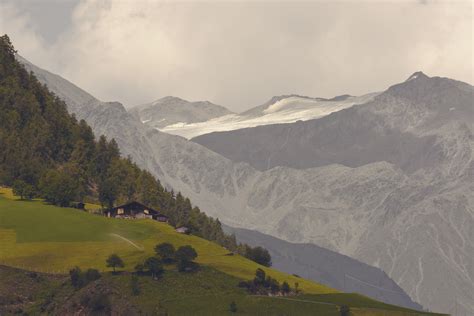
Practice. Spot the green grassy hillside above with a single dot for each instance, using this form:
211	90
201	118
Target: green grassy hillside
38	237
46	238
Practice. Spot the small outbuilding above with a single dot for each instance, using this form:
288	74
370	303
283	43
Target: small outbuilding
136	210
182	230
161	218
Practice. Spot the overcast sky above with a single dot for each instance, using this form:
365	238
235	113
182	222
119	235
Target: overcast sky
240	53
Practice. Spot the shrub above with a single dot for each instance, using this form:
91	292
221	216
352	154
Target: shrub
345	310
77	278
259	277
272	284
80	279
233	307
100	303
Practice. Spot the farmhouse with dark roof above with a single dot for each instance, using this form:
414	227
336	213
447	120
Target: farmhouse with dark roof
136	210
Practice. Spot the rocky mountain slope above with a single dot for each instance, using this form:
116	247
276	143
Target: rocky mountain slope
356	136
280	109
172	110
328	267
416	226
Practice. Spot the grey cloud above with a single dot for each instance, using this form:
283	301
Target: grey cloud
239	54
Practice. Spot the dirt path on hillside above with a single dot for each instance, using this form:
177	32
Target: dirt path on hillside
128	240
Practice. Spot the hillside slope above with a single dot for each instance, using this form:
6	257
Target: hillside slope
417	228
205	292
328	267
45	238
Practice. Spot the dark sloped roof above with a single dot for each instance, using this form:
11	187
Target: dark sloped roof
135	204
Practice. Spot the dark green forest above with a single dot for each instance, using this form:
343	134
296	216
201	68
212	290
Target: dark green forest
47	153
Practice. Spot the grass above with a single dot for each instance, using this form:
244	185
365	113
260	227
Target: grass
205	292
39	237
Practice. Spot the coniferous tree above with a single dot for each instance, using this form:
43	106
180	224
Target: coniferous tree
58	158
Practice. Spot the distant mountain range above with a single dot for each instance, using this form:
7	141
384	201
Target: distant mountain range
404	134
410	213
281	109
172	110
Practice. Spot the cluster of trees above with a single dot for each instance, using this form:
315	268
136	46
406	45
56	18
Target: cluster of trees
80	279
47	153
265	285
166	253
258	254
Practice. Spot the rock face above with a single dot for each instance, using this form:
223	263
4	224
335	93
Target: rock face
415	223
398	126
172	110
328	267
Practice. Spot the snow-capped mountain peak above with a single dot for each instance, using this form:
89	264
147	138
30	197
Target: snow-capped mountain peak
278	110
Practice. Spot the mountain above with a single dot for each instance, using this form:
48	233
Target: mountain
418	227
172	110
292	102
398	126
327	267
280	109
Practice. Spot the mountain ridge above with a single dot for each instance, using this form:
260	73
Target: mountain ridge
171	110
357	135
328	267
372	212
281	109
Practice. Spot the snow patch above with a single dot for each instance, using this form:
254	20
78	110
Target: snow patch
288	110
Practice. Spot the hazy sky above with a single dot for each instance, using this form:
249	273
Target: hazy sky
240	53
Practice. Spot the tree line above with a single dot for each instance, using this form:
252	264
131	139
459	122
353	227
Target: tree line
49	154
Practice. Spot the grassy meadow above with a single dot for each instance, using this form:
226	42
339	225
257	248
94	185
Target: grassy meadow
51	240
45	238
